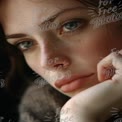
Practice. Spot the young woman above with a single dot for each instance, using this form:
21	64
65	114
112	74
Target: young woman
60	44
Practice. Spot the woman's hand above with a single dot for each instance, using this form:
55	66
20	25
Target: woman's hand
89	105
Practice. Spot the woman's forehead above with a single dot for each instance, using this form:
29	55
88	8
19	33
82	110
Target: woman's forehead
14	6
30	13
25	4
47	1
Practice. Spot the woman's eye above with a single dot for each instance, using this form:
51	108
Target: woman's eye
25	45
72	25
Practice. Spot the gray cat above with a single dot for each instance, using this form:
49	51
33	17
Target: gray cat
41	104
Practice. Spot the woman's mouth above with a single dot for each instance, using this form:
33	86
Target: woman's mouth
73	83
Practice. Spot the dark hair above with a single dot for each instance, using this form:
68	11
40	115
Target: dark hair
16	72
19	77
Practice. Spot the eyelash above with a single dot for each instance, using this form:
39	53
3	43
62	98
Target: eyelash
81	23
24	41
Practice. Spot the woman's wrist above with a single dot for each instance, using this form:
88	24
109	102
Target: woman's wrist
76	113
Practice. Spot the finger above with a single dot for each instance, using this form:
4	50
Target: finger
120	52
117	63
117	60
105	68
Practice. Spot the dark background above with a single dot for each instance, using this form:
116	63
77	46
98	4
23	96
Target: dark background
16	75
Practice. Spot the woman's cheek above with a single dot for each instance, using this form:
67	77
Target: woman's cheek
33	61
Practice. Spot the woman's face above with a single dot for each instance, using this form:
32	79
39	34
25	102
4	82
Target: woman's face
58	41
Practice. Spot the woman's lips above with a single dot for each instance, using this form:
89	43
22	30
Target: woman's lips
73	83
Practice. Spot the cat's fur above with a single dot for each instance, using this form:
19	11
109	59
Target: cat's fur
41	104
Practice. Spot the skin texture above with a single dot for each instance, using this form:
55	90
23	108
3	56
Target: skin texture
109	91
56	51
86	45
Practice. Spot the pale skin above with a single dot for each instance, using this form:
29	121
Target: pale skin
78	51
109	94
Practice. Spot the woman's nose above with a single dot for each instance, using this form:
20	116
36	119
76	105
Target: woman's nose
58	63
54	58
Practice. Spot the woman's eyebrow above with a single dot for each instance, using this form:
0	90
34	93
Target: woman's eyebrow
18	35
53	17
